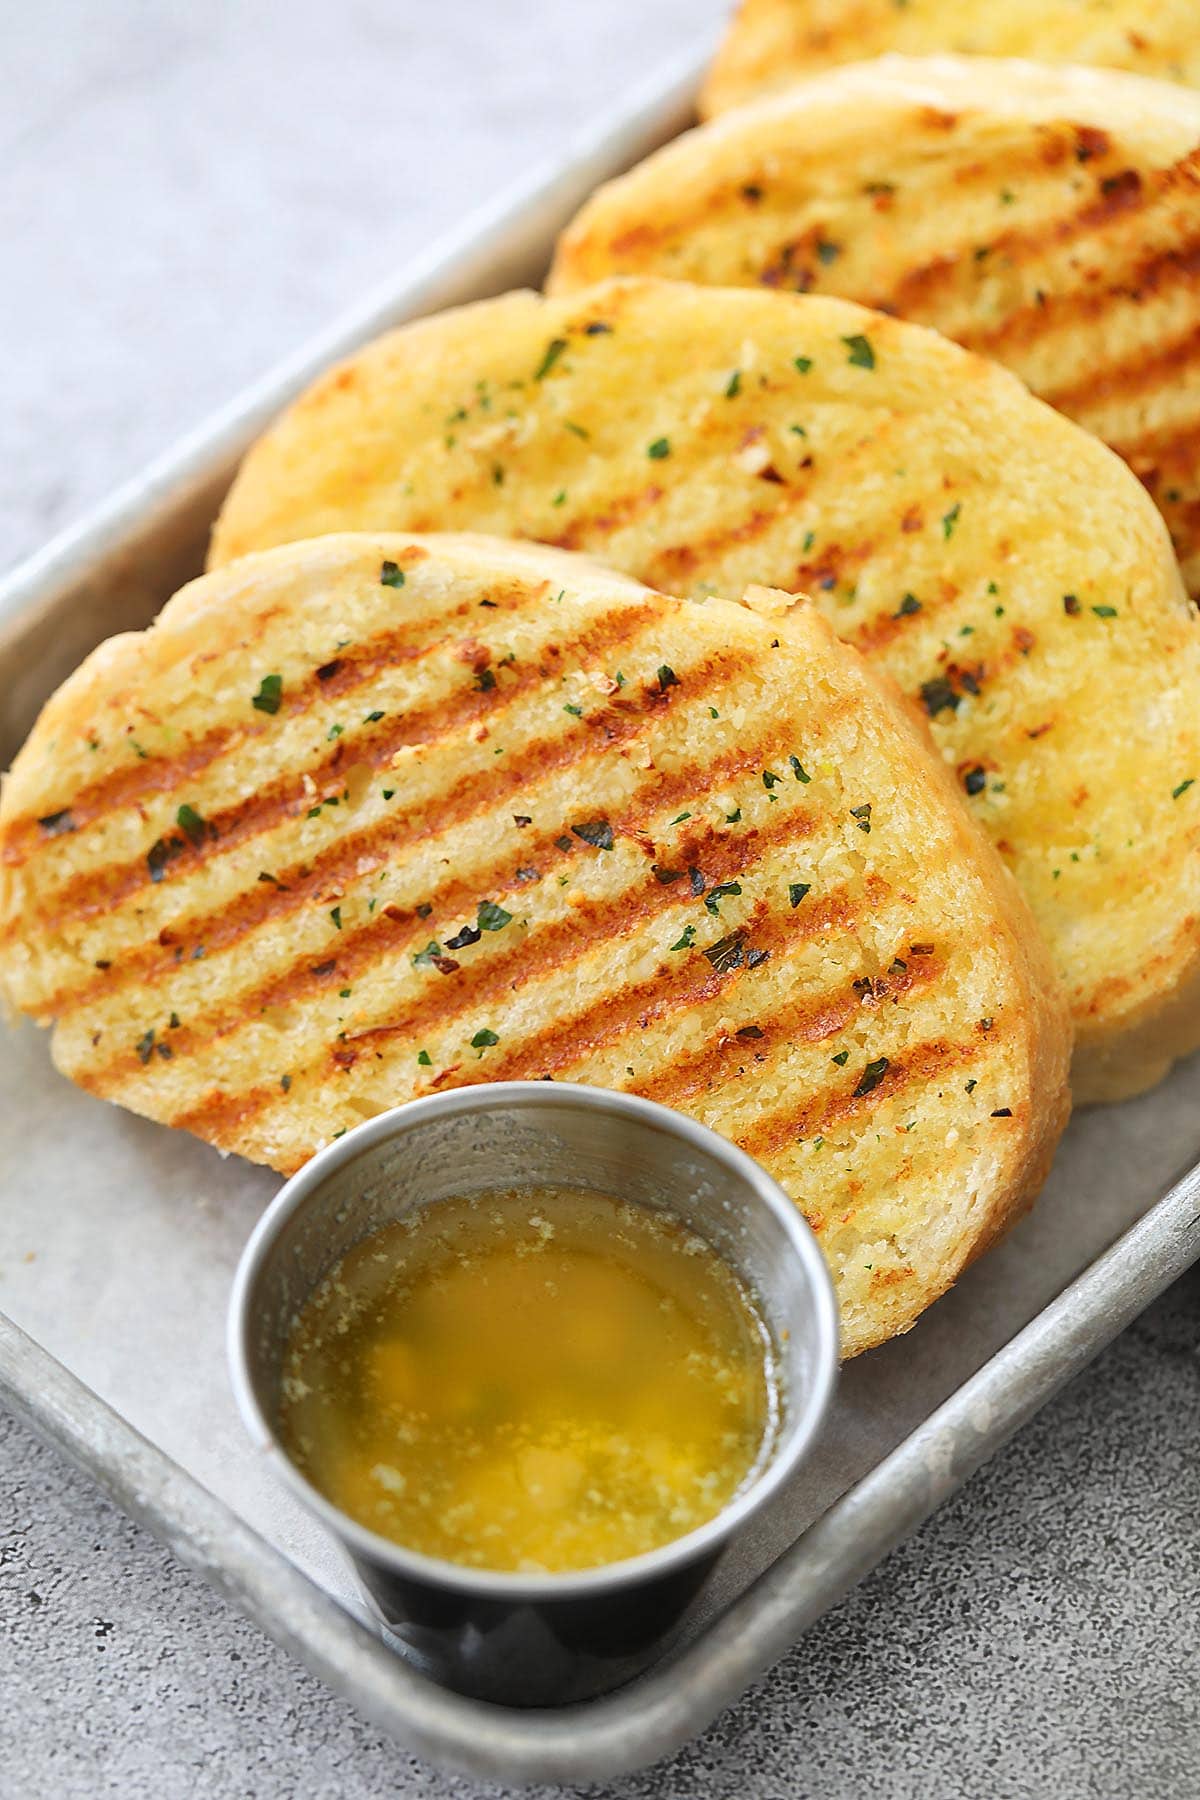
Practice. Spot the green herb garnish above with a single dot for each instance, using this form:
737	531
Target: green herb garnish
871	1077
270	692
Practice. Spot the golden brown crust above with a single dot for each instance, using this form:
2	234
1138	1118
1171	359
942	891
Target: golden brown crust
1000	563
1049	217
773	43
499	813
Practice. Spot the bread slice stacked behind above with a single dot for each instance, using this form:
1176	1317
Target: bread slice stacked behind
371	817
773	43
1048	217
1007	569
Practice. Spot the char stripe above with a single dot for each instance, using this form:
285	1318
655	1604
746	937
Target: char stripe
1158	273
918	286
788	1125
101	889
360	950
268	903
1152	368
805	1019
142	781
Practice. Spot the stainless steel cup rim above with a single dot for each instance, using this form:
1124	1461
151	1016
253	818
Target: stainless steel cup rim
808	1410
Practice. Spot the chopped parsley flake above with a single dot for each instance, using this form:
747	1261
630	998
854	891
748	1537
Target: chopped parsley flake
687	940
802	363
335	731
727	954
1071	606
679	818
596	832
575	711
798	770
712	901
666	677
492	917
424	1058
660	448
467	934
426	956
827	252
950	519
270	692
862	354
871	1077
190	821
554	350
391	575
1183	787
485	681
907	607
733	817
938	696
733	386
483	1040
842	1058
797	891
862	816
335	913
974	779
1105	612
770	779
145	1047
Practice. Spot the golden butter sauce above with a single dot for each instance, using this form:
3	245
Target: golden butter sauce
543	1379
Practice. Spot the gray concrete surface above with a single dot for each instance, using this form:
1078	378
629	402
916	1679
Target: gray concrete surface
184	193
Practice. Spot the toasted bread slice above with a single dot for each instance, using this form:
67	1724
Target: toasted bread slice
773	43
508	814
1004	566
1044	216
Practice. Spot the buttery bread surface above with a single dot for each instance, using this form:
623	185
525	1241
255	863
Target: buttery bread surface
370	817
1004	566
1039	215
772	43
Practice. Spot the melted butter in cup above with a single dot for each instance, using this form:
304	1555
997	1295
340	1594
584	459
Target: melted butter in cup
534	1354
540	1379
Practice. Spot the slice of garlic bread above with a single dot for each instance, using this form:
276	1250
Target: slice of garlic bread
773	43
366	818
1006	568
1043	216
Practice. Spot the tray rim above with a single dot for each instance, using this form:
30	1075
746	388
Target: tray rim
640	1725
630	1729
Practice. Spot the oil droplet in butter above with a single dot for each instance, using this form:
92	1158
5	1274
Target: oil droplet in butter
541	1379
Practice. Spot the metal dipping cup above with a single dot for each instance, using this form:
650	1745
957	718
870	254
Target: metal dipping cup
512	1638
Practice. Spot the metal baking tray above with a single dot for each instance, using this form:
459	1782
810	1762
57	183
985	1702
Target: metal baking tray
118	1239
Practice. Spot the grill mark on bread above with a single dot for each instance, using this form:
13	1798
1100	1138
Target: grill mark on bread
1153	366
142	780
919	1063
809	1020
104	887
393	931
555	1046
1158	272
267	903
613	516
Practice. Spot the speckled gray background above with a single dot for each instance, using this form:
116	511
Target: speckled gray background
185	192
